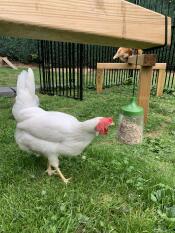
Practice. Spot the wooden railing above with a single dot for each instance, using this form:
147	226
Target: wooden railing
146	67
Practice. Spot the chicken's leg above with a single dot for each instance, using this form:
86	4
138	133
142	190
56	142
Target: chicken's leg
53	162
62	176
49	170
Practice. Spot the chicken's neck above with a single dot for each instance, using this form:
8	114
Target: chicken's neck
90	125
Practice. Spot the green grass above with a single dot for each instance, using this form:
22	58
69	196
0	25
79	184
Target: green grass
114	188
9	76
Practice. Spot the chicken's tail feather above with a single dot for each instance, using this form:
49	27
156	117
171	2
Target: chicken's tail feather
26	97
26	81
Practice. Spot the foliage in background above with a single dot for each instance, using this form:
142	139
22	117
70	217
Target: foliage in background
23	50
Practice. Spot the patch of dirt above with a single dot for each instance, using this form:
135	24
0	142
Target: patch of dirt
153	134
106	198
168	119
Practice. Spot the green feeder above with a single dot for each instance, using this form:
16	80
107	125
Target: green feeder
131	123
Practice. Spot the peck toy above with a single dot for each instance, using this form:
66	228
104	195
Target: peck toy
131	123
131	120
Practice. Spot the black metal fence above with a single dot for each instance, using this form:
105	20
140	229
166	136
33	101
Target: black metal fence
61	69
67	68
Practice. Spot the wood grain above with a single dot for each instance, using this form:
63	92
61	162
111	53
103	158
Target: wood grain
107	22
99	81
122	66
143	60
7	62
145	89
161	82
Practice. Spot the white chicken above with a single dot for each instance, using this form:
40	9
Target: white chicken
51	134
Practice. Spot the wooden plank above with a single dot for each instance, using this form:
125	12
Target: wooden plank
99	81
1	62
107	22
145	89
159	66
161	82
143	60
117	66
6	60
122	66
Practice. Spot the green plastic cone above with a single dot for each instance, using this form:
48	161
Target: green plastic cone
132	109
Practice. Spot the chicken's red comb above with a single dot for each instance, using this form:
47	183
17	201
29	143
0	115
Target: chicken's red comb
107	120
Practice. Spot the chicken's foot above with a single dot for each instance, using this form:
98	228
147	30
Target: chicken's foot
50	171
58	172
62	176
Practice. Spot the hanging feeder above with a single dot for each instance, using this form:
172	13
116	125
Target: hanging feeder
131	123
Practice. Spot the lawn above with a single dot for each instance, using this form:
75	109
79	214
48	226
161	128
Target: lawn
9	76
114	188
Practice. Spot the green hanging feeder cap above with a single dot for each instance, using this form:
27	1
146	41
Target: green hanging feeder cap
132	109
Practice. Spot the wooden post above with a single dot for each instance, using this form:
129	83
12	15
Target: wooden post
161	82
146	61
145	89
99	80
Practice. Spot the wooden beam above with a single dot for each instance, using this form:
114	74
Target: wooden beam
6	61
143	60
107	22
161	82
145	89
160	66
123	66
99	81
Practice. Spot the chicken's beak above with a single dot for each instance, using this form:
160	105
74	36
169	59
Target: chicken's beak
115	56
112	124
